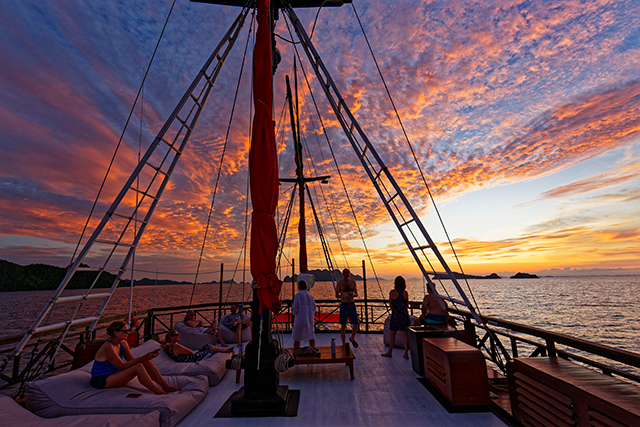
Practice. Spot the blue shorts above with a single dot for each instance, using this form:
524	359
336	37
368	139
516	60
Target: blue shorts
434	319
348	313
99	381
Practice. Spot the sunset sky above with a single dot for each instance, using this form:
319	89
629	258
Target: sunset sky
524	116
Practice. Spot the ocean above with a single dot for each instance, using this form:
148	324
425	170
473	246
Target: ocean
602	309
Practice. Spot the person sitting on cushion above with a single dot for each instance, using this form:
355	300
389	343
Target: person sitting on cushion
182	354
213	329
234	321
115	366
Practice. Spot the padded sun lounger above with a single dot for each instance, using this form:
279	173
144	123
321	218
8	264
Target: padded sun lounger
71	394
386	333
213	367
230	336
12	414
193	338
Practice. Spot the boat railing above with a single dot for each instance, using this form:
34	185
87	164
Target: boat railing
523	341
528	341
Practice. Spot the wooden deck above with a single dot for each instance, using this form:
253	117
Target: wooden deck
385	392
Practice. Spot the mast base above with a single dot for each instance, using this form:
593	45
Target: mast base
241	405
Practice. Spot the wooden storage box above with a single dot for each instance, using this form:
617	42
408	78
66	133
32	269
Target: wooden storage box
457	370
550	391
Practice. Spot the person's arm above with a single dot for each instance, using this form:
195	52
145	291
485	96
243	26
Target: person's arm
405	295
390	297
112	356
339	290
355	289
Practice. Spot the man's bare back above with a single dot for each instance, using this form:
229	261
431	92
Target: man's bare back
431	305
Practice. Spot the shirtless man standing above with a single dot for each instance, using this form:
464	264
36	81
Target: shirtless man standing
346	291
432	312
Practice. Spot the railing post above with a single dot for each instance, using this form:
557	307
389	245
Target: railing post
16	368
220	293
514	347
551	348
470	327
366	304
293	288
293	278
148	327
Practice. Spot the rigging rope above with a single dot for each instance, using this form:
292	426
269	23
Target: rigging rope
104	180
43	362
340	175
224	150
413	154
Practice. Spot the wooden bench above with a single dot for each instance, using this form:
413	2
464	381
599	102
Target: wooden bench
548	391
457	370
343	355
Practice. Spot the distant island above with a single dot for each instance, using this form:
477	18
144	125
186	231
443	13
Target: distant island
524	276
43	277
445	276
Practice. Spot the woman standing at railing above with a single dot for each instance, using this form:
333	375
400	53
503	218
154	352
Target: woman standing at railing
400	322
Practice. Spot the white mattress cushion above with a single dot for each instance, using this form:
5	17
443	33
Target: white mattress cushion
71	394
386	333
192	337
12	414
213	367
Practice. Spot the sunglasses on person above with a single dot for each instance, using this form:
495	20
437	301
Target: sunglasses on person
126	331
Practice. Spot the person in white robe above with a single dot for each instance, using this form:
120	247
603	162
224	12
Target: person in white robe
304	307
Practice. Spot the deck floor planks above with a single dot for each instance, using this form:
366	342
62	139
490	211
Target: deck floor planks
385	392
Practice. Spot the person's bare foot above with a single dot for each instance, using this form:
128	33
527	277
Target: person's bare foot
170	388
406	356
385	355
224	345
228	350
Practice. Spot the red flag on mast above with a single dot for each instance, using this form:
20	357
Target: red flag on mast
263	171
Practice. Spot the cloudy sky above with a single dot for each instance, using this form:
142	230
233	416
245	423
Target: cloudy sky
523	117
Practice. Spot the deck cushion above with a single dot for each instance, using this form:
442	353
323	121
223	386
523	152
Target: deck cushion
230	336
212	367
71	394
13	414
386	333
193	338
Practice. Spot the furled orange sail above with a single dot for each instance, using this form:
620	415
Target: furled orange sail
263	170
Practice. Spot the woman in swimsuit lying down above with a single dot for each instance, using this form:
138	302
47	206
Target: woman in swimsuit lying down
115	366
182	354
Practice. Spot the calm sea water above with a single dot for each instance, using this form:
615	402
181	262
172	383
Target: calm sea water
601	309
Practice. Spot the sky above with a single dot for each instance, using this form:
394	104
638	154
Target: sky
523	117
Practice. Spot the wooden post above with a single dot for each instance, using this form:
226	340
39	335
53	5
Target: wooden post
293	288
220	294
293	278
149	325
16	369
366	305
